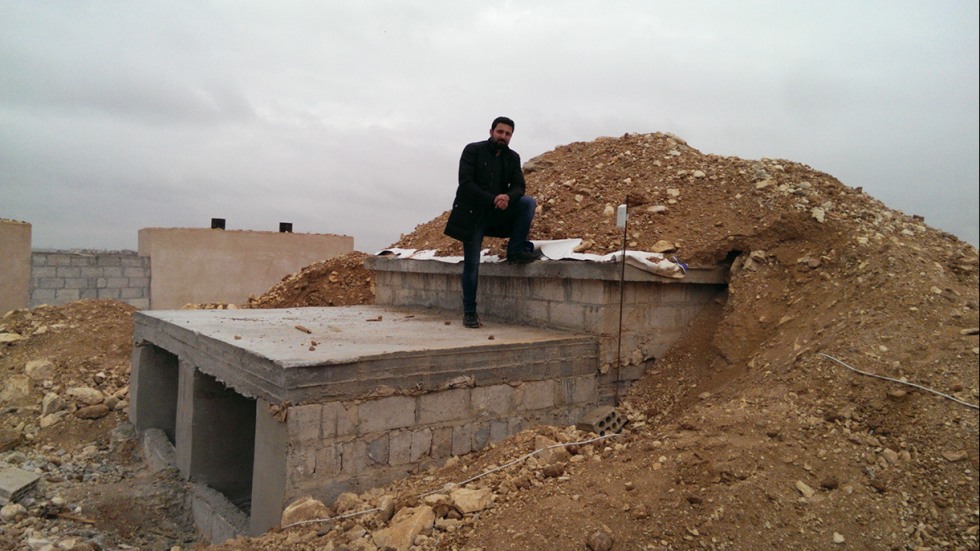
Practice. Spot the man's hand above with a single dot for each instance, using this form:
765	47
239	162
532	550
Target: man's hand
501	201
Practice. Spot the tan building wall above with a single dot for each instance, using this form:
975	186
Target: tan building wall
201	265
15	265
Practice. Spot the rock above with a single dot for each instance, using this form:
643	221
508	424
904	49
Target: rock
17	388
600	540
954	456
663	247
12	511
51	403
86	395
658	209
39	370
347	502
406	525
50	419
807	491
471	501
818	214
92	412
550	455
386	508
838	538
7	338
9	439
304	509
890	455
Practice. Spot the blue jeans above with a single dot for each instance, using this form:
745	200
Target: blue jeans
520	214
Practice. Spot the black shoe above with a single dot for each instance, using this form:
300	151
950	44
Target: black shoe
522	257
471	320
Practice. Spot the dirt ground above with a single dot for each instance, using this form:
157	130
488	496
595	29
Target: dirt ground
751	433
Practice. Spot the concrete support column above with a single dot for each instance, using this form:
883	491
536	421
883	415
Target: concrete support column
269	471
153	390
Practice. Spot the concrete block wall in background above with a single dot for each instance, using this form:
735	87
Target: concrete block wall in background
58	277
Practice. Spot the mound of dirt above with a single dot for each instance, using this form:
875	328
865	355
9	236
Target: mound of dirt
339	281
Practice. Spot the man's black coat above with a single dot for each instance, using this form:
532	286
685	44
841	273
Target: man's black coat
475	194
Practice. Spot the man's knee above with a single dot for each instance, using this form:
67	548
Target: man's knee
526	202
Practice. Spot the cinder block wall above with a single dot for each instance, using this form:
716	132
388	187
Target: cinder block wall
58	277
576	296
15	265
352	446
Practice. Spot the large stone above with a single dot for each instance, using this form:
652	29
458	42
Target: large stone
39	370
17	388
96	411
548	454
51	403
304	509
86	395
407	524
471	501
7	338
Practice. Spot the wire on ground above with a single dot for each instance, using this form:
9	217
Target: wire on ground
937	393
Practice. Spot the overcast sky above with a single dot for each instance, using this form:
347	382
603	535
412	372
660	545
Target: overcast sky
348	117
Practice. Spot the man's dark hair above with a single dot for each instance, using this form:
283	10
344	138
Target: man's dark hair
505	120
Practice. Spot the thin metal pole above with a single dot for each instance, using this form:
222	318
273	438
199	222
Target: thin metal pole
622	292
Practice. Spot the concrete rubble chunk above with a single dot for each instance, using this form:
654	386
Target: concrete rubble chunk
15	482
548	454
406	525
86	395
39	370
471	500
304	509
15	389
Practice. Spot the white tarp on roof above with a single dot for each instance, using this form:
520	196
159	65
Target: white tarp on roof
562	249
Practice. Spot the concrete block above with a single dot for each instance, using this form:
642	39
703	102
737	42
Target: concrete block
442	442
538	395
50	283
108	293
481	435
59	260
117	282
354	457
67	295
400	448
134	272
338	420
158	452
108	261
448	405
421	444
393	412
328	459
76	283
131	292
566	314
141	282
38	272
463	438
90	293
378	448
303	423
68	271
301	462
42	295
82	260
14	483
496	401
498	430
